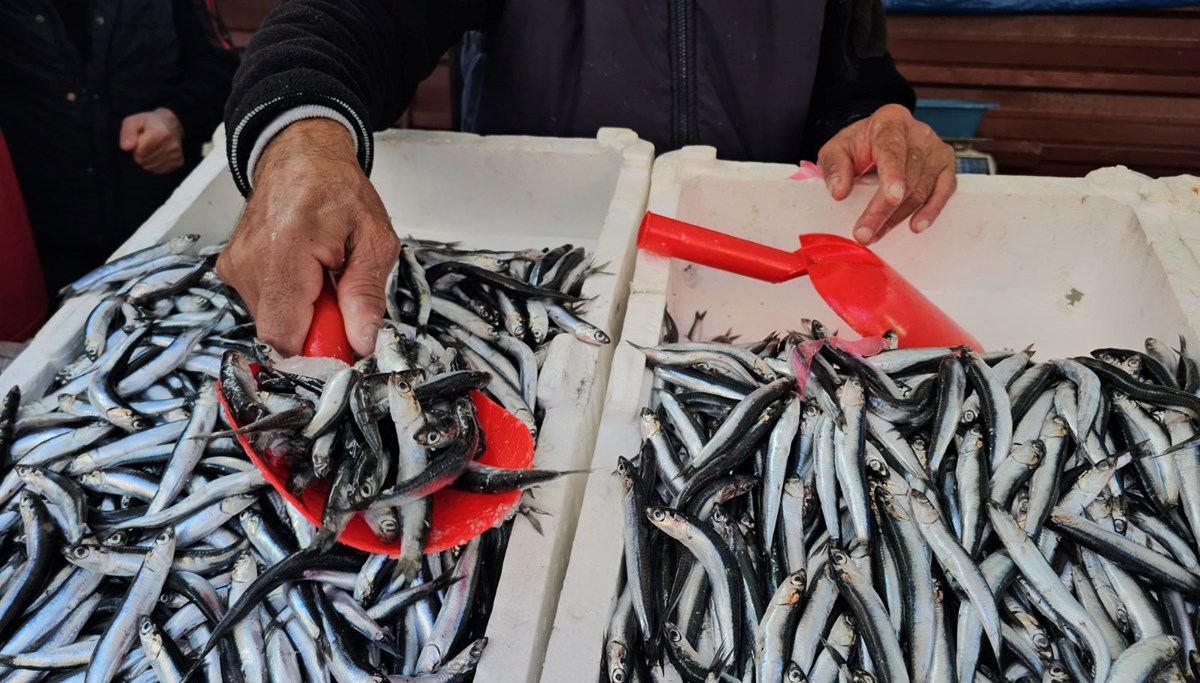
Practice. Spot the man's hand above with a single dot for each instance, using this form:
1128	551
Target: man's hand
155	138
312	209
916	170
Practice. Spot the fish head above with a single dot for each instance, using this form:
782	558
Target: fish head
648	423
245	569
666	519
438	431
115	538
164	541
627	471
617	656
923	509
876	468
87	555
29	474
150	636
798	580
1056	673
850	394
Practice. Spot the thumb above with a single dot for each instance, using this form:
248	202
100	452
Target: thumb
360	289
131	128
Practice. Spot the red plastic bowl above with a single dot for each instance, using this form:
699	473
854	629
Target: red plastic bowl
458	516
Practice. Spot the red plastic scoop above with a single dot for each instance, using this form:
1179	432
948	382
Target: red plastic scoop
867	293
458	516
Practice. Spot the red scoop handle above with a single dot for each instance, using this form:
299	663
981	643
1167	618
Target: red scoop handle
327	333
677	239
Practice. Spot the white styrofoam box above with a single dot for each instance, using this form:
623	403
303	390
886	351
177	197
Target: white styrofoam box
486	192
1066	264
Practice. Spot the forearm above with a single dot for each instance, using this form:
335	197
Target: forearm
361	59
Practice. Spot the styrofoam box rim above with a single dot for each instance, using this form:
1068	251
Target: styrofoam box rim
575	375
1168	210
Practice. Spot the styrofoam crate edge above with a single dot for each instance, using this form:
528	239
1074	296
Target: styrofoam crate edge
527	595
595	559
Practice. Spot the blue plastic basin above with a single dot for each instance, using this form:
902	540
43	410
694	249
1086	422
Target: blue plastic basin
952	118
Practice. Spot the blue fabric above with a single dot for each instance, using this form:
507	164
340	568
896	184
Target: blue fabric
1024	6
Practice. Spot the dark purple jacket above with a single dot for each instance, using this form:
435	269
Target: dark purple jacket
761	80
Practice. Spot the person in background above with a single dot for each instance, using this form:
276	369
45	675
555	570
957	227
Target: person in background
105	105
763	80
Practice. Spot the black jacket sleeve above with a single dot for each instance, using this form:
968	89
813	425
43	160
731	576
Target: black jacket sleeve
855	75
207	63
362	58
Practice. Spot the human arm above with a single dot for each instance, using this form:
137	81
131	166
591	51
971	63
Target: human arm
312	206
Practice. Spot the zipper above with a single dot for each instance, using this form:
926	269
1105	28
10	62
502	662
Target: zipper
682	99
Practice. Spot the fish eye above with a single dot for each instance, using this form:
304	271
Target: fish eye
434	437
674	635
659	514
366	490
80	552
147	626
617	676
163	537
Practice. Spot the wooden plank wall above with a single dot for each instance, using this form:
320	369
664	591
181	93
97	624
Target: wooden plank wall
1076	91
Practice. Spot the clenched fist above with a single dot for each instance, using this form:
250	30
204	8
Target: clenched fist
155	138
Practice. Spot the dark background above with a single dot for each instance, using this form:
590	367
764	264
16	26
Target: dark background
1077	91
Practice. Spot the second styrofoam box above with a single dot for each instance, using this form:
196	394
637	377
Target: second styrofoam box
485	192
1065	264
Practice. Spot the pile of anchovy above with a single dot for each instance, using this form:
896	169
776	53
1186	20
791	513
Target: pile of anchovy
141	544
927	514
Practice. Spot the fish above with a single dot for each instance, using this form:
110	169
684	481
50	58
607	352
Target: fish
151	547
992	481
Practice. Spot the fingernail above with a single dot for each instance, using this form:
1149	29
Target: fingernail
369	332
896	191
921	225
863	234
832	182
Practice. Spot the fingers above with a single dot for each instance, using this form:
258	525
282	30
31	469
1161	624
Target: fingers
837	164
278	286
285	303
920	182
360	288
889	149
131	128
943	188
